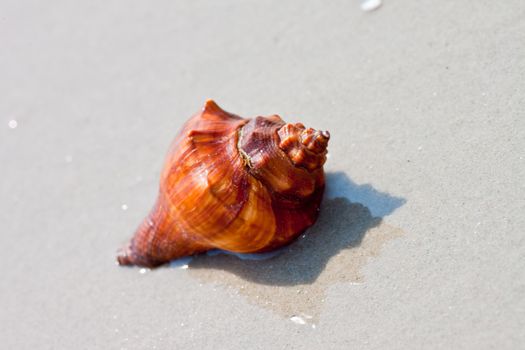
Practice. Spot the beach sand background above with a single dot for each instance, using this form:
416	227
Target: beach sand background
420	243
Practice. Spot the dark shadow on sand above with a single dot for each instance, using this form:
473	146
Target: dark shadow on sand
341	225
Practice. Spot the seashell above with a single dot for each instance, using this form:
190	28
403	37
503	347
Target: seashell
240	185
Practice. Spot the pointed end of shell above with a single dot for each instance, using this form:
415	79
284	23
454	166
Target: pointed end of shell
127	257
124	256
211	106
315	141
212	111
305	147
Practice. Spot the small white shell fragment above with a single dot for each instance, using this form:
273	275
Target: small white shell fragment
370	5
297	320
12	124
124	207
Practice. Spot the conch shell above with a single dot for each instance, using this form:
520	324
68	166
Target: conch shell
241	185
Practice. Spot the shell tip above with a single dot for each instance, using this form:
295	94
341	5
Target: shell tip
210	105
124	256
127	257
304	147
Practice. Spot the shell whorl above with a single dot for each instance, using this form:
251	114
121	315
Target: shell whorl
305	147
242	185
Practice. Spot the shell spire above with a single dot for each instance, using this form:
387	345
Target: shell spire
305	147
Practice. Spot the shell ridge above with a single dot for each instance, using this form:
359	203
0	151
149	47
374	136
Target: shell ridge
234	184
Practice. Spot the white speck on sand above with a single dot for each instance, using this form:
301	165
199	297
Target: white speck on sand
370	5
124	207
143	270
297	320
12	124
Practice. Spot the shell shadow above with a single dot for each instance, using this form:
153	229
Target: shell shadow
380	204
341	225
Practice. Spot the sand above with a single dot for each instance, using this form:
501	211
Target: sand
420	240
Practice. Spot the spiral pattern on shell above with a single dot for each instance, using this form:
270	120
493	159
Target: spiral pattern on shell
242	185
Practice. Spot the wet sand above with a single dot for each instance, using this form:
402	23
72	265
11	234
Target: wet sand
295	282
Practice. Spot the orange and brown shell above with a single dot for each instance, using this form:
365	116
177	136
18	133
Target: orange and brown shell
241	185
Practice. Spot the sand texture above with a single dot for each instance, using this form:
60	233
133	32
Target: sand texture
420	242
